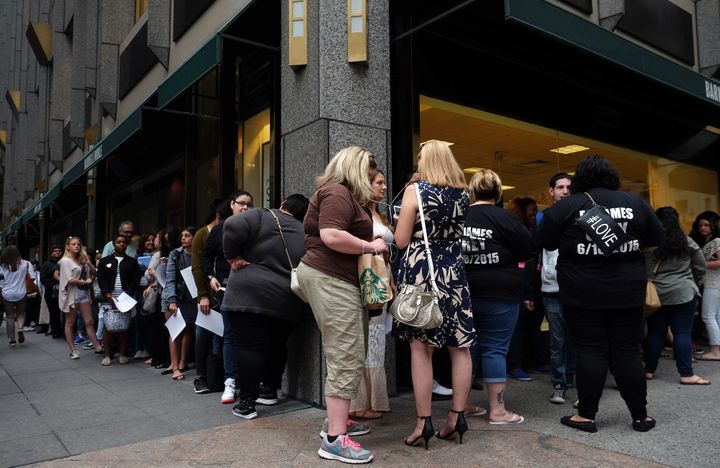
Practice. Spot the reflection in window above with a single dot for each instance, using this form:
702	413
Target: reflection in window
254	166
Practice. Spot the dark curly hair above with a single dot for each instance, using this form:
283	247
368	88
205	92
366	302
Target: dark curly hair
675	244
595	171
713	219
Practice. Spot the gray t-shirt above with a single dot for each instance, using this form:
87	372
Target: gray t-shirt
677	279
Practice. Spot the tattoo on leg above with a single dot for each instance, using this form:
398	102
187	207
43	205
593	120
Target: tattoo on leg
501	397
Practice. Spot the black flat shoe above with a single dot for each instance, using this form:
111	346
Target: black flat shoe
426	434
643	425
586	426
166	371
460	428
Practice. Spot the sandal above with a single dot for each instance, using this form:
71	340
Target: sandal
514	419
696	380
475	411
178	375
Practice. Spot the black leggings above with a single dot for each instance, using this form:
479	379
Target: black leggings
608	339
262	350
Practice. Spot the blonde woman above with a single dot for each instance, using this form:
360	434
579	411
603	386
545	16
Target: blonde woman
445	203
372	398
76	279
337	230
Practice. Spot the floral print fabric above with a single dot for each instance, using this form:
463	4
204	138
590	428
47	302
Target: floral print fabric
445	210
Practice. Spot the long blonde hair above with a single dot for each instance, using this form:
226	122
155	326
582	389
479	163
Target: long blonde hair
82	256
350	167
437	165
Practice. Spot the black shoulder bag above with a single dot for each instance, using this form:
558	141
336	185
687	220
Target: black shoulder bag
601	228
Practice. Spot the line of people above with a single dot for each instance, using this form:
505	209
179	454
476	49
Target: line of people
485	258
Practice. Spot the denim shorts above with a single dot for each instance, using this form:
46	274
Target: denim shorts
82	296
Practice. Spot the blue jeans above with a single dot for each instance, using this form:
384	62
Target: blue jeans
494	322
562	350
230	348
680	320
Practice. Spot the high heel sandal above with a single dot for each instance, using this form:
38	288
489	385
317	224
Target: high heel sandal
460	428
426	434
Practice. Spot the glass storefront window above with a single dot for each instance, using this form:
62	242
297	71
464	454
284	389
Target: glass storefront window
526	156
254	166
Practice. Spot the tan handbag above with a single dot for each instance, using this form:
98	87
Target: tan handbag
294	284
414	306
375	288
652	300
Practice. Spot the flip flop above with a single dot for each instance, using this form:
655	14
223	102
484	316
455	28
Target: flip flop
515	419
475	411
705	357
179	376
167	371
698	381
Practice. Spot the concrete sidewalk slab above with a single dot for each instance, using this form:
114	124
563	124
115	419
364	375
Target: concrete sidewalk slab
292	440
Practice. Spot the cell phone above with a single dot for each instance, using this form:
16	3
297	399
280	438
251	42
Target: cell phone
396	211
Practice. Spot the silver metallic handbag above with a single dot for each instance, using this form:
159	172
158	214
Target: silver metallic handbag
414	306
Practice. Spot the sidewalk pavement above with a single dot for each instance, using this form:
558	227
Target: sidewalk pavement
77	413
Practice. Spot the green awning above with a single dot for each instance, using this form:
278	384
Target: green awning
197	66
597	40
105	147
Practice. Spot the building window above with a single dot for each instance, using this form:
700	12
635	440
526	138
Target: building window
141	6
526	155
254	167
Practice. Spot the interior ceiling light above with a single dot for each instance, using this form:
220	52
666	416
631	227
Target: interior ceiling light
569	149
712	129
472	170
508	187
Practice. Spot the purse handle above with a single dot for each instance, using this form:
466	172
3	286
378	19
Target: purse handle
428	252
277	221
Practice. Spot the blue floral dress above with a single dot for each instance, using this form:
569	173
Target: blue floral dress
445	211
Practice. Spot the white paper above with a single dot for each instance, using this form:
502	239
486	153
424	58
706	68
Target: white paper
175	324
123	302
212	322
161	273
189	281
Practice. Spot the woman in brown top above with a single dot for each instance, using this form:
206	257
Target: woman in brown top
338	229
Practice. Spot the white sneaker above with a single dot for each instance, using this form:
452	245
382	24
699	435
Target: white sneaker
123	359
74	354
440	390
228	395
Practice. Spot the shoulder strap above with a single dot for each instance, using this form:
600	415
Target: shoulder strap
591	199
428	252
277	221
655	270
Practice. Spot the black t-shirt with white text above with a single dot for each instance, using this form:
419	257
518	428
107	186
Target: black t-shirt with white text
587	278
494	242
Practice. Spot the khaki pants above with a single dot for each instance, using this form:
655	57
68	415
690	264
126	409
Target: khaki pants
343	323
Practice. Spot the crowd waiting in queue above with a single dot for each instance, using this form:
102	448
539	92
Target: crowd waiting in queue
500	272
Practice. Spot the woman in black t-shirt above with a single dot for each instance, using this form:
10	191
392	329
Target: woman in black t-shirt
603	296
493	243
